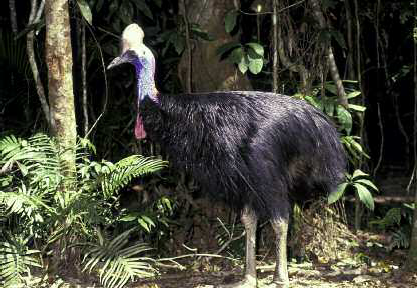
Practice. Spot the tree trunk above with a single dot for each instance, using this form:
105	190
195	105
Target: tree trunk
61	95
208	72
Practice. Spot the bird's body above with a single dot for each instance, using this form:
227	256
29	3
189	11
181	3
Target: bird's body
239	145
252	150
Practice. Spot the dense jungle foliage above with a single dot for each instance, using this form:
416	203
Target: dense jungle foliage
124	215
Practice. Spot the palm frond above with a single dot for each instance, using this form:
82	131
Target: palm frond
25	203
121	173
16	259
117	262
36	159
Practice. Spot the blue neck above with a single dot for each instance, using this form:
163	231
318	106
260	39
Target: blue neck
145	81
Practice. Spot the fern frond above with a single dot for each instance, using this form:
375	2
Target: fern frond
400	239
16	258
392	218
117	263
37	160
24	201
128	168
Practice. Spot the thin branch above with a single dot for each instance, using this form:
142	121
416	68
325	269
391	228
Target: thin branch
34	17
40	11
84	78
381	148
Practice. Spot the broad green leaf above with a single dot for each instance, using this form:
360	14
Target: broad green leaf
345	118
365	196
359	174
255	65
358	108
358	147
243	67
230	21
85	11
353	94
257	48
366	182
337	194
128	218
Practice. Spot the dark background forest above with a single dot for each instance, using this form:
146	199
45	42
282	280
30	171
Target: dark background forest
355	60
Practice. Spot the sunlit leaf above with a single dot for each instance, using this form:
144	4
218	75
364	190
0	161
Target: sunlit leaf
353	94
337	194
85	11
359	174
365	195
257	48
255	65
243	67
366	182
358	108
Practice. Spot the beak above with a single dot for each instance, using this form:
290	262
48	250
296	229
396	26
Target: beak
116	61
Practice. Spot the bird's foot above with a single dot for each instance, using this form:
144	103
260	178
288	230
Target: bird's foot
247	282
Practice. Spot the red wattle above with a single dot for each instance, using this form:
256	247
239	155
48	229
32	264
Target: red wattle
139	129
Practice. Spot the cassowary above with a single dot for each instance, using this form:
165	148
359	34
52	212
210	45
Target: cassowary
255	151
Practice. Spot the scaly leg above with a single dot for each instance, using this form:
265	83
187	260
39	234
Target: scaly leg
280	225
249	220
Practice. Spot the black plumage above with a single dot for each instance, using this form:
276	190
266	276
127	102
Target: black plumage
247	148
255	151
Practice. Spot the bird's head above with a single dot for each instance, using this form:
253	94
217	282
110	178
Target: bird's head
136	53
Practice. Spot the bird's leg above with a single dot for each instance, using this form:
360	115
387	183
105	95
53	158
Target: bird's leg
249	220
280	225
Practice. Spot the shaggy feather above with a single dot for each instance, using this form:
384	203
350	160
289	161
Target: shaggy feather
248	148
